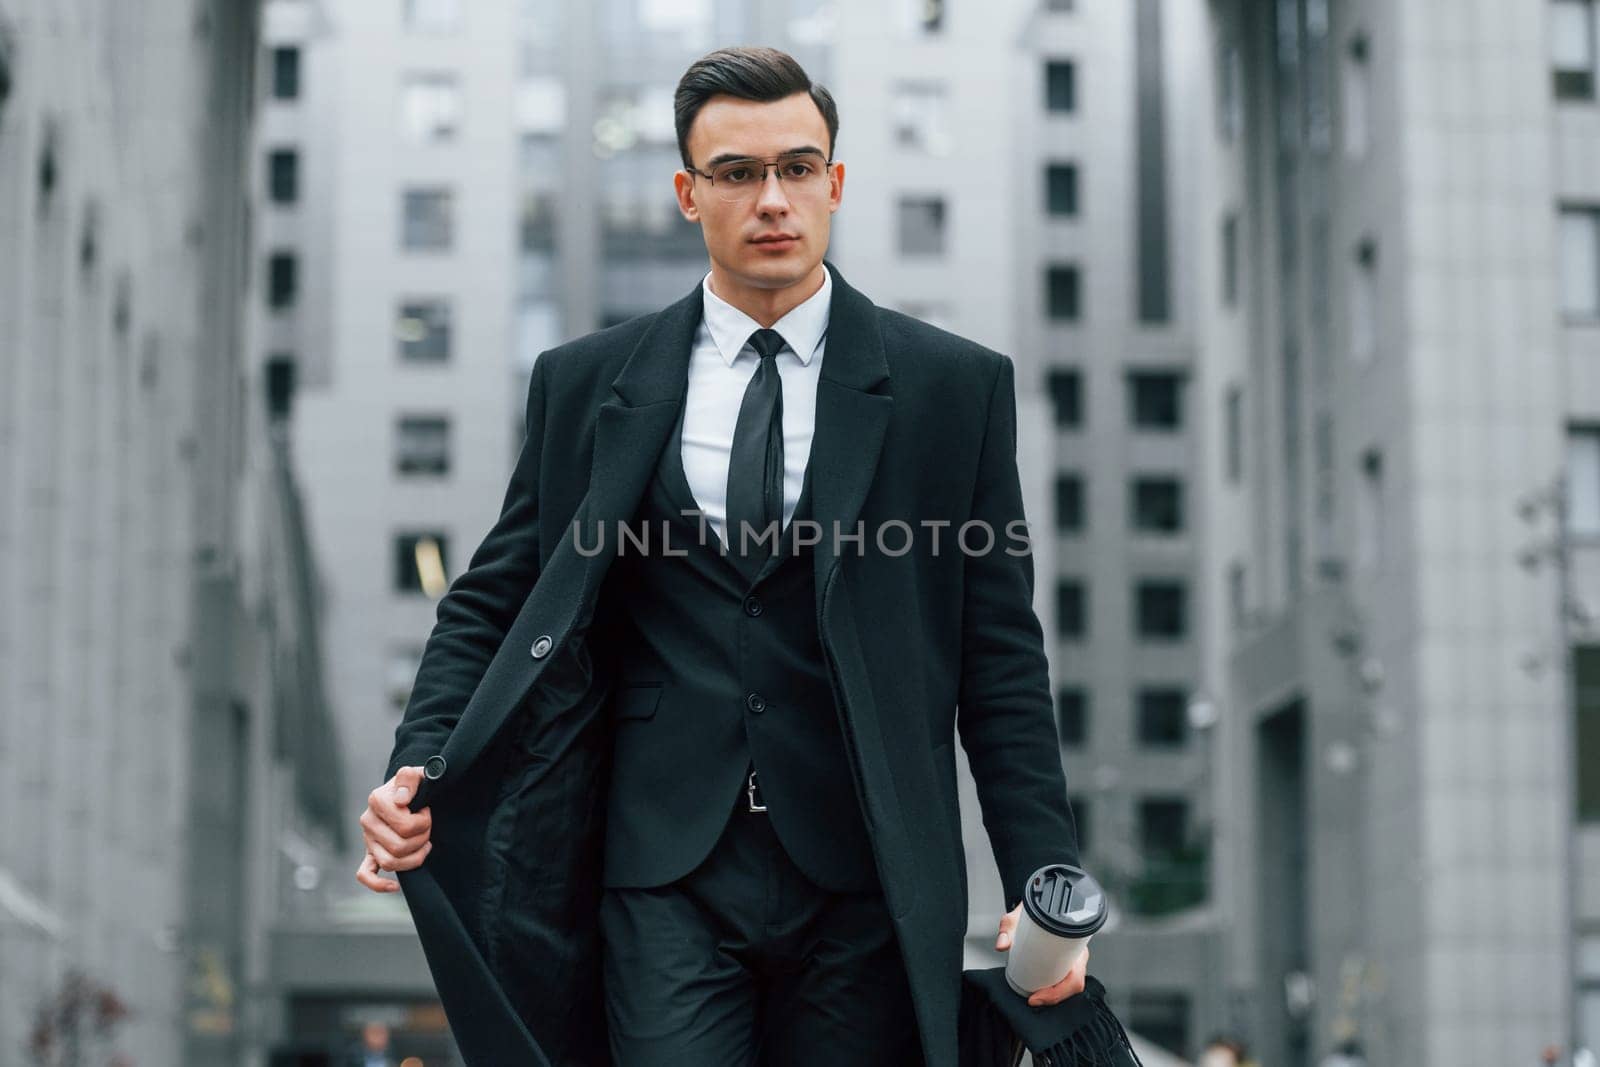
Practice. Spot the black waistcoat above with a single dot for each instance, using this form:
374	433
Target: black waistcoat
715	674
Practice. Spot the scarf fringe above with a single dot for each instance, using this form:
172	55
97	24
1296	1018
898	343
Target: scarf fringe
1102	1043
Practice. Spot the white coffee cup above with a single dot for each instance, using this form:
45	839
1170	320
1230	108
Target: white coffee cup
1062	907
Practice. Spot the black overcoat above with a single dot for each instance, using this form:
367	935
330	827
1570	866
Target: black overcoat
915	435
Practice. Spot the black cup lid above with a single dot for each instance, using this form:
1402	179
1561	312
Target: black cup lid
1065	900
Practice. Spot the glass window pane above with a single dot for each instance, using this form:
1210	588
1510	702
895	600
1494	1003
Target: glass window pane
922	225
428	219
1583	481
1572	35
1061	189
422	329
1580	263
917	117
1060	93
430	107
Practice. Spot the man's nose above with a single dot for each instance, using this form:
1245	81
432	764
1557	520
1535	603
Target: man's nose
773	196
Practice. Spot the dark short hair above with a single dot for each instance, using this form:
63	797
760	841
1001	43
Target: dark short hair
750	73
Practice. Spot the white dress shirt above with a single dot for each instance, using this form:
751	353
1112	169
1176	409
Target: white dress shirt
720	368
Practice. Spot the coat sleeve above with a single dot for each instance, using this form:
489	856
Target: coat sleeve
1005	713
479	607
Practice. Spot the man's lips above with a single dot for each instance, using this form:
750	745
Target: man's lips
776	239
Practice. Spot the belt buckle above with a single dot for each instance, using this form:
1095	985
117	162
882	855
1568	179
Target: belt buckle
750	788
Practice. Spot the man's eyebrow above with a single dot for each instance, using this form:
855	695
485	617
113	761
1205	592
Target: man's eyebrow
729	157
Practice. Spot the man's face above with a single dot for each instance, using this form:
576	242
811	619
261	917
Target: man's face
727	127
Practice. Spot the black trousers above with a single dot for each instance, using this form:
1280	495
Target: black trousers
745	961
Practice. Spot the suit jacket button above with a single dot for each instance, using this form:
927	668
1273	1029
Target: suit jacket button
541	647
433	770
756	703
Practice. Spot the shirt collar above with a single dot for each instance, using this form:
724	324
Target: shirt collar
802	328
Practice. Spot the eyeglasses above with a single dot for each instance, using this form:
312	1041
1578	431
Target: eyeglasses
802	173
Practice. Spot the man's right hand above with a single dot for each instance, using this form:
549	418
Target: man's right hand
397	840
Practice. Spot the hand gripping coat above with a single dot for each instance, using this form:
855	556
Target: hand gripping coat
509	711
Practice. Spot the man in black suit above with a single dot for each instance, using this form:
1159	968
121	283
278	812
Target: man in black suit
773	535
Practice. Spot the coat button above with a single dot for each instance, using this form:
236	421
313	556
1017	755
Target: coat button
756	703
433	770
752	605
541	647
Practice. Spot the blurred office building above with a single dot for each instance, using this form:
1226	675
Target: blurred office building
170	762
1400	315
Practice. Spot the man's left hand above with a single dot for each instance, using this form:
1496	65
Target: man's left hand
1069	986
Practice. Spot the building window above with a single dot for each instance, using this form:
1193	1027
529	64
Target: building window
428	219
1066	397
1230	260
1587	714
1060	90
1061	292
422	330
1369	515
1364	303
922	225
283	175
1071	617
279	372
421	562
282	280
1572	48
1163	826
1233	446
1357	94
1580	262
923	16
1061	189
433	16
1072	716
1163	717
1069	503
1160	608
422	445
286	73
430	107
917	117
1155	400
401	674
1079	806
1157	505
1583	481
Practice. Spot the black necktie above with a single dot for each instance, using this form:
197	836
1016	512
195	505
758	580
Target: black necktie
755	463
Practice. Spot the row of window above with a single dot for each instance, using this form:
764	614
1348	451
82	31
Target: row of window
1162	824
1161	716
1160	609
1155	398
1155	504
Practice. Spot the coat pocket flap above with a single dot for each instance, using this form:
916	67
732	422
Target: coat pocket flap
637	701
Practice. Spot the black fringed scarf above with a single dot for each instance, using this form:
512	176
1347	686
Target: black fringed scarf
997	1024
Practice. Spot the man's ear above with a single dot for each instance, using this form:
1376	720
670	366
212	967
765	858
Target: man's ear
683	186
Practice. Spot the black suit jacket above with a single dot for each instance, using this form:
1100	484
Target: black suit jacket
913	424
